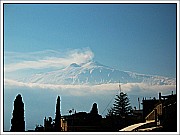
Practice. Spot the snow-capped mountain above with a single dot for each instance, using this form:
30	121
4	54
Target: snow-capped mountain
95	73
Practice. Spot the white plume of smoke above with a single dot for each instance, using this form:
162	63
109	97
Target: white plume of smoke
46	59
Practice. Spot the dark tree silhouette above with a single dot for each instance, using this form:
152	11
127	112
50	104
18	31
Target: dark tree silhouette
93	118
58	116
94	109
17	121
121	106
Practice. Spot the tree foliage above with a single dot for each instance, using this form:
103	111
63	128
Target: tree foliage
17	121
121	106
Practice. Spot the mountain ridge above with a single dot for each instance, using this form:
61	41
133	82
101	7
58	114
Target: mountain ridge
95	73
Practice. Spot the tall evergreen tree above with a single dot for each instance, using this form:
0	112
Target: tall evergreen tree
58	116
121	106
17	121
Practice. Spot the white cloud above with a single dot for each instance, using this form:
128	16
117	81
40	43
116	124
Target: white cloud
80	90
46	59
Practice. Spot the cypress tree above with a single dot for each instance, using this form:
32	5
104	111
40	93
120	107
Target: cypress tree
17	121
58	116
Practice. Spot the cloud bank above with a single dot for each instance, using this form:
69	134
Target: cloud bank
80	90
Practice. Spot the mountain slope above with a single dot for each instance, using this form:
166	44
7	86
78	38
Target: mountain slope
95	73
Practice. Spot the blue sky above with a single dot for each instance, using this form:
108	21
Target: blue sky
45	37
134	37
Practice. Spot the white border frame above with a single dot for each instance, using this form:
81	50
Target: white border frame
2	73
